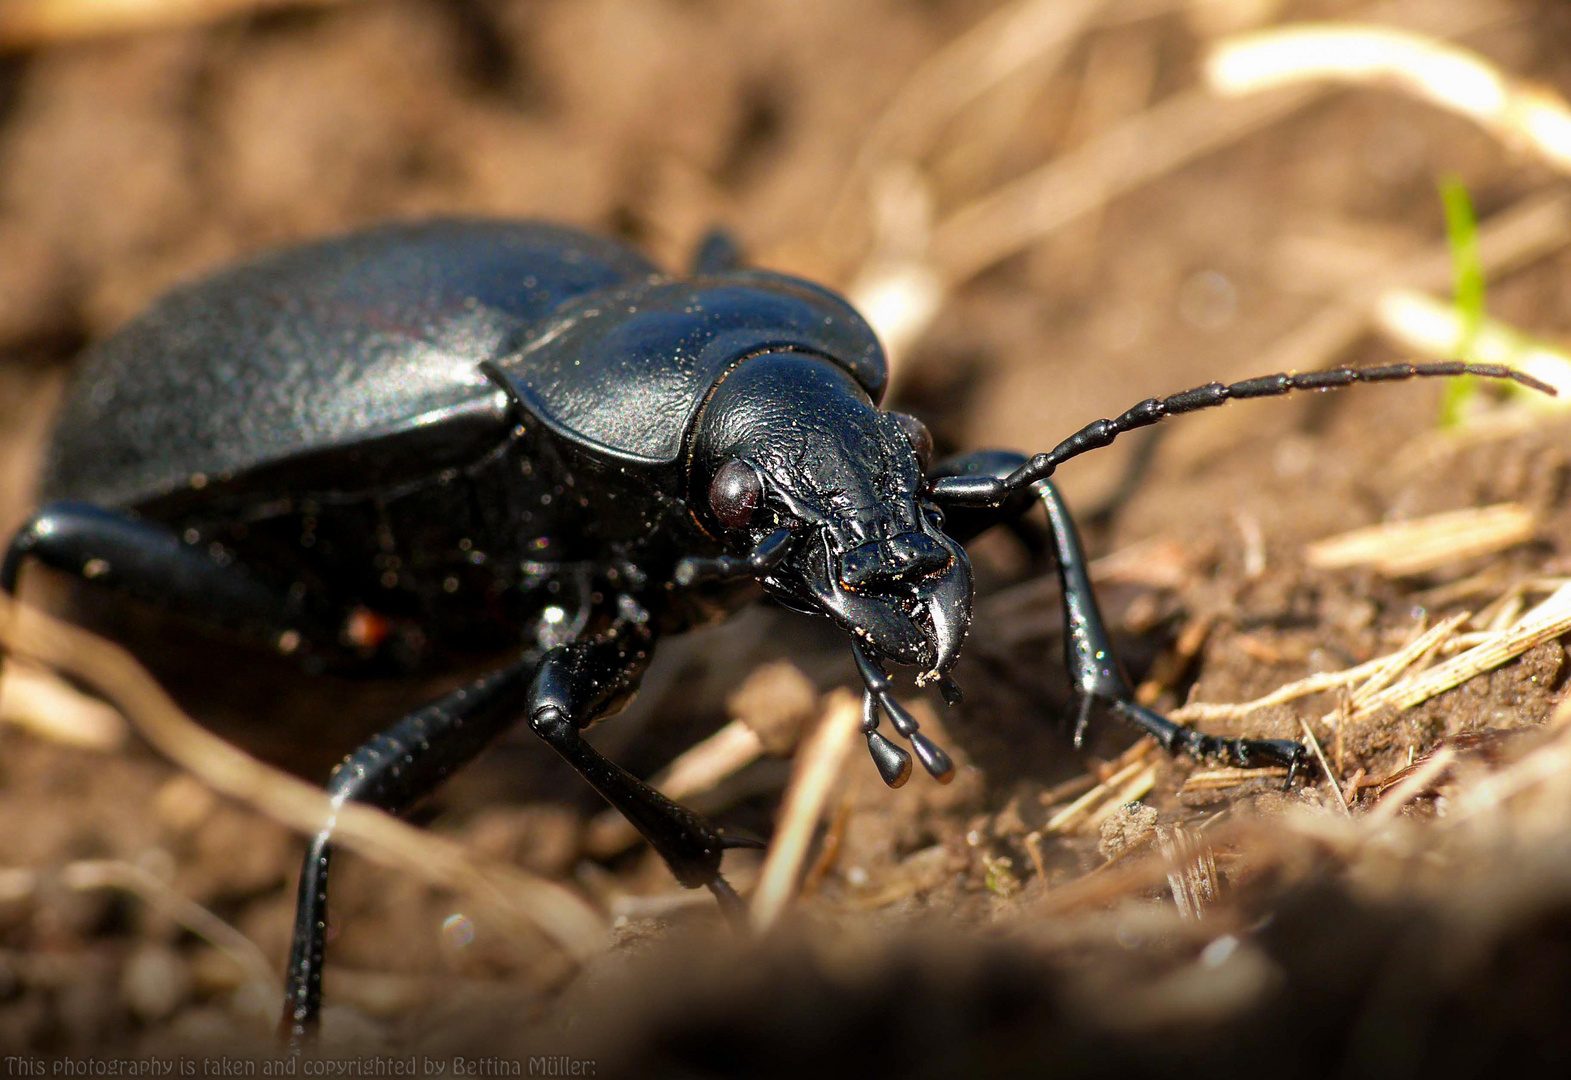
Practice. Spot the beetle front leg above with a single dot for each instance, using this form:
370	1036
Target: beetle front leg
581	682
1094	670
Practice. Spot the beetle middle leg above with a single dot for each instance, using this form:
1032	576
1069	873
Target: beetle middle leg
577	684
1098	679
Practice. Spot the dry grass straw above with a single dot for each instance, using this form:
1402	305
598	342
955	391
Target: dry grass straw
1133	153
1402	548
1383	688
1414	654
1191	873
1546	622
1219	779
1149	145
818	768
914	260
515	901
1122	780
1378	672
1503	815
1133	790
1017	35
1326	772
31	23
898	287
115	874
1545	765
47	707
1411	787
1526	117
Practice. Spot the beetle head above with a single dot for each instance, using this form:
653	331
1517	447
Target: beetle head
788	440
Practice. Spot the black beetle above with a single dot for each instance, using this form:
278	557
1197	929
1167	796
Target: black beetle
426	440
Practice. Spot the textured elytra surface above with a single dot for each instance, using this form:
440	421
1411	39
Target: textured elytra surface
312	349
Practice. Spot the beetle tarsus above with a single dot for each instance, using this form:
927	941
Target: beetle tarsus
730	903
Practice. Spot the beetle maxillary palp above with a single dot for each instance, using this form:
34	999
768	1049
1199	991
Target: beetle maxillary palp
880	694
893	763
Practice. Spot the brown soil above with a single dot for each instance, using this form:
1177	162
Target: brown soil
948	933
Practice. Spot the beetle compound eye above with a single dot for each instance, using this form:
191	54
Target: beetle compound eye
735	493
918	436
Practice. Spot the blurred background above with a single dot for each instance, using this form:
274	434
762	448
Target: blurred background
1050	210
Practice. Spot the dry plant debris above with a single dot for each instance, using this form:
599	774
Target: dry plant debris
1400	548
30	23
510	896
813	781
1531	118
1548	621
1172	929
39	702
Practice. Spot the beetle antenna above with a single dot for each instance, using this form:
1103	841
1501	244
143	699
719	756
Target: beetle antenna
981	490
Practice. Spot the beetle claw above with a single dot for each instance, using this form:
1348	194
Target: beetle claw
737	838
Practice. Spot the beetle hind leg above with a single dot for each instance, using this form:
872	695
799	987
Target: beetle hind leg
392	771
147	561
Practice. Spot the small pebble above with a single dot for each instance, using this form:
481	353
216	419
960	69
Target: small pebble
183	803
155	982
1133	824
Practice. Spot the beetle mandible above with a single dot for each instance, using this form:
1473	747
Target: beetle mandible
430	439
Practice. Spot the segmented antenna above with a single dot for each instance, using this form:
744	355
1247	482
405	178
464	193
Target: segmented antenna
991	490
